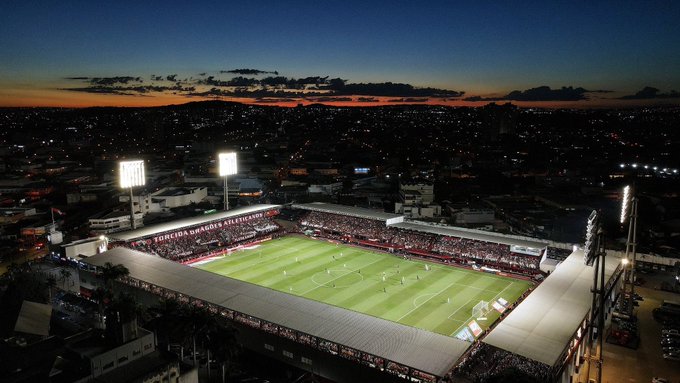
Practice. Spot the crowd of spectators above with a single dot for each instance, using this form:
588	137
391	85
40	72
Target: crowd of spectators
461	250
490	254
193	246
409	240
484	362
342	224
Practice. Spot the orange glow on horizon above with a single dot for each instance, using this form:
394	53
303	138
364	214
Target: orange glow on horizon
63	99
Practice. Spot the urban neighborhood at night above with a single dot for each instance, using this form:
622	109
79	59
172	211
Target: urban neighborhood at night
374	191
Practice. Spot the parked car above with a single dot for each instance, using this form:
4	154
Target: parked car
672	356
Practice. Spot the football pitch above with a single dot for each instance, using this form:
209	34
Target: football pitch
412	292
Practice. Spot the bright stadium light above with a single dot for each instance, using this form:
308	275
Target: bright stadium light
227	164
590	247
625	204
132	174
227	167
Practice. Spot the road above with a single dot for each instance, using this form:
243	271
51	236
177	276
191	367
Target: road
625	365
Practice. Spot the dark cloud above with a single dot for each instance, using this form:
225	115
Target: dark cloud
100	90
273	100
329	99
131	90
212	81
114	80
255	72
648	93
479	98
367	99
388	89
273	86
243	81
274	81
213	92
542	93
409	99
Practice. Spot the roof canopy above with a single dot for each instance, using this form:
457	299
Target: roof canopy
542	326
426	351
187	222
471	234
351	211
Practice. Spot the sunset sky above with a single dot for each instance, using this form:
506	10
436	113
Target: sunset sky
127	53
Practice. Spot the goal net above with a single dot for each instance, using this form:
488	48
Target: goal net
480	309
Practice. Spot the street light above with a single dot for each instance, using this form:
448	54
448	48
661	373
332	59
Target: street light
227	167
132	174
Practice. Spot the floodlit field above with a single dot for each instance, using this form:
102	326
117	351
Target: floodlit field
426	295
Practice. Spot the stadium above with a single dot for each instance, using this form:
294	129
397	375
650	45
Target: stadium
352	294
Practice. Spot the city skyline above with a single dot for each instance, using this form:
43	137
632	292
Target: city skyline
349	53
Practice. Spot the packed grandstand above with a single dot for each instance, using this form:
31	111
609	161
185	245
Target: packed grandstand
189	240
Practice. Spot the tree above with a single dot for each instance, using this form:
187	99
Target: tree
51	284
65	274
169	324
221	342
199	321
111	273
102	296
121	318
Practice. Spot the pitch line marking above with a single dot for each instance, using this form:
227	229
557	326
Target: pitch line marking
417	307
471	317
420	296
458	309
334	279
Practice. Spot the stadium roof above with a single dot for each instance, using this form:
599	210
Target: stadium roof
187	222
471	234
347	210
541	327
423	350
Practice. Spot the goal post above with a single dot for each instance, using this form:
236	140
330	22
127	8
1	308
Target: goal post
480	309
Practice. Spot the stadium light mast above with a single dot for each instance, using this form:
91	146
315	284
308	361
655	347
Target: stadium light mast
131	174
594	255
629	208
227	167
629	214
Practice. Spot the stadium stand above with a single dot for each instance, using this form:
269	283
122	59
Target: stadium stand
194	246
484	362
196	237
375	233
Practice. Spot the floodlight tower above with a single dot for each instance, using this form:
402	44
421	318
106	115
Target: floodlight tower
594	255
629	214
227	165
131	175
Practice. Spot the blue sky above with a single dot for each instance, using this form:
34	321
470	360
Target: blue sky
484	49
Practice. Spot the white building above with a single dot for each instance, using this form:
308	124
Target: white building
416	200
114	221
171	197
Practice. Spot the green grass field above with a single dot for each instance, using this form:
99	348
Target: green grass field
383	285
